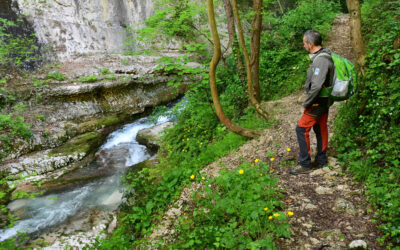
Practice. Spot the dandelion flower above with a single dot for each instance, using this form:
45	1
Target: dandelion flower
203	178
276	215
270	218
288	149
192	177
256	160
272	159
290	213
241	171
265	209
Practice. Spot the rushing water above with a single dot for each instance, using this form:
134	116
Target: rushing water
48	211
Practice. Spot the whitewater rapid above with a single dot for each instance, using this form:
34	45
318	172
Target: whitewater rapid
45	212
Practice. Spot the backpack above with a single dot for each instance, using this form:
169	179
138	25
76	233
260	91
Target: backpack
344	79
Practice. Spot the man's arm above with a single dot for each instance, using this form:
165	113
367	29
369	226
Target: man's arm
320	69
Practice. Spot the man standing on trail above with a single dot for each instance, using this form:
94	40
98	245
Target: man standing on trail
320	74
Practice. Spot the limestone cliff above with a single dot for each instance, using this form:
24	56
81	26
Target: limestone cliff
72	28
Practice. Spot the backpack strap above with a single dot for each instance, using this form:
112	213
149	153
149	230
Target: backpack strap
325	91
323	54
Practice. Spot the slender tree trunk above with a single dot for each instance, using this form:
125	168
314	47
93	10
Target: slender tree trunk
233	41
355	29
255	47
213	84
253	100
281	8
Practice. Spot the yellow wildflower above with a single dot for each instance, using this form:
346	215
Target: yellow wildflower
270	218
276	215
288	149
203	178
241	171
290	213
192	177
265	209
256	160
272	159
261	174
252	165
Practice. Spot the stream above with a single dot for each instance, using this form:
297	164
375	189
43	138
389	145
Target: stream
120	151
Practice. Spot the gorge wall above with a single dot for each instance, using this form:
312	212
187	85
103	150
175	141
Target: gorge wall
70	28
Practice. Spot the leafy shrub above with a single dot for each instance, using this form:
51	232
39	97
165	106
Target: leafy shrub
239	209
176	19
315	14
367	128
12	127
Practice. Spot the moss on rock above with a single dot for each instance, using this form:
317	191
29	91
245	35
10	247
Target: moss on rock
82	144
99	123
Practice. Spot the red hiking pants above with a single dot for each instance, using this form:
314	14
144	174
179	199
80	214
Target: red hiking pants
316	118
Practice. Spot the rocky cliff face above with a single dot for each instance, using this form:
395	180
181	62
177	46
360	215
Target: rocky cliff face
74	27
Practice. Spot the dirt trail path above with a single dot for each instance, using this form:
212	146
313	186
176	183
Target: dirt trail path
329	209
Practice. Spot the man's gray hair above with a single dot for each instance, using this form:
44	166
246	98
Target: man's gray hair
313	36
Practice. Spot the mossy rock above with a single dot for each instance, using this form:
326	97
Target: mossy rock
150	164
82	144
99	123
81	172
150	137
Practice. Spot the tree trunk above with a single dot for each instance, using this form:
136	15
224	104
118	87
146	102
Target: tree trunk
253	100
255	47
355	32
233	41
213	84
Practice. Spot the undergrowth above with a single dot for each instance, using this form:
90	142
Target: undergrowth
367	131
239	209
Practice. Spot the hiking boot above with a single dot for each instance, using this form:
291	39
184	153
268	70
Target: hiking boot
300	170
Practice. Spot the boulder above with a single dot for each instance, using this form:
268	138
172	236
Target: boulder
150	163
150	137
